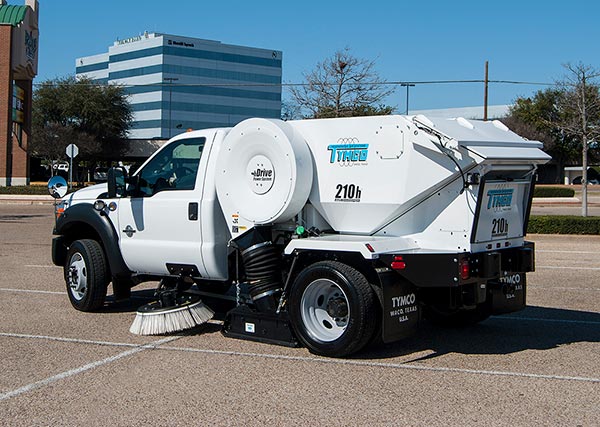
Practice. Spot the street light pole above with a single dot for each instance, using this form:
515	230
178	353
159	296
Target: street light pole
170	80
485	94
407	86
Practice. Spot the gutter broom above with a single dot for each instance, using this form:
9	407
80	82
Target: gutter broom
172	312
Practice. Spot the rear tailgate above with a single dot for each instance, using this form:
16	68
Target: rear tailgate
502	211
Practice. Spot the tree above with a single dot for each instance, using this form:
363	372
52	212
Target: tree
290	111
52	140
566	118
538	118
580	104
342	86
68	110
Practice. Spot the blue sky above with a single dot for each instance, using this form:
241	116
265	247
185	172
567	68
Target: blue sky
410	40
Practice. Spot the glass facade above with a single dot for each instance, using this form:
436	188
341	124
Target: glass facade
177	83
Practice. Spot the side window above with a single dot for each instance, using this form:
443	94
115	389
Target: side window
173	168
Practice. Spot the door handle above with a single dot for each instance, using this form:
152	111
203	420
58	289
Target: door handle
193	211
129	231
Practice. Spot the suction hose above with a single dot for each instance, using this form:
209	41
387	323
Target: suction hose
263	266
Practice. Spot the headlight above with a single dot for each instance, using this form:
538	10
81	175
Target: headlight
59	208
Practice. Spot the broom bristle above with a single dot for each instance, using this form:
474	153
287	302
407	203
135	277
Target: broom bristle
166	322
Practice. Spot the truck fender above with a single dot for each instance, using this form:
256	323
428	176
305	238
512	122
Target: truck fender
397	298
84	215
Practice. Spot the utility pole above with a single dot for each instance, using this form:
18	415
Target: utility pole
485	94
170	80
584	141
582	112
407	86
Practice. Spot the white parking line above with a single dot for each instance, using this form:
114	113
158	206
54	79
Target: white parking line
157	345
411	366
42	266
559	267
73	340
84	368
565	252
32	291
561	288
538	319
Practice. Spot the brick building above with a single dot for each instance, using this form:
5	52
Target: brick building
18	66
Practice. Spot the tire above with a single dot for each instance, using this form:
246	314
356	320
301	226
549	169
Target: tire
333	309
86	275
457	318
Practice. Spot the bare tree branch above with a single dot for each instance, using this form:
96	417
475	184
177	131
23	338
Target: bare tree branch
580	108
341	85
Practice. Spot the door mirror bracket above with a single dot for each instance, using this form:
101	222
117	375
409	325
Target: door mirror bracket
117	182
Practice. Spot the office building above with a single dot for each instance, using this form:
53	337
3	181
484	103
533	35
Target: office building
177	83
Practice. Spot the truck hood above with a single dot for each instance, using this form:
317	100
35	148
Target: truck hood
90	193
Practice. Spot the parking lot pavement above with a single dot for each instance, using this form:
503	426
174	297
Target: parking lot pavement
63	367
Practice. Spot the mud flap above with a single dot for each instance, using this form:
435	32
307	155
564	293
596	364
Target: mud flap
508	293
401	310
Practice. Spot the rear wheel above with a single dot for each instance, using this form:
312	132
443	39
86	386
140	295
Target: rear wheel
333	309
86	275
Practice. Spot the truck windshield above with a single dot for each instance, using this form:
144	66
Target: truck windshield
173	168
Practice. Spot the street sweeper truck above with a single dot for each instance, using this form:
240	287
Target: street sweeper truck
327	233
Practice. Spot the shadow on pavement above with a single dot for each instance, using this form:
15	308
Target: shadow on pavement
535	328
142	297
19	218
138	298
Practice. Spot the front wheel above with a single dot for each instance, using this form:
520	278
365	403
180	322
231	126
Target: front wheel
332	309
86	275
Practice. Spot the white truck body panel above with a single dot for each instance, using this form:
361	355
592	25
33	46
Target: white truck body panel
395	183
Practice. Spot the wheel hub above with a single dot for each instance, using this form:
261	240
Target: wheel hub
337	307
77	277
325	310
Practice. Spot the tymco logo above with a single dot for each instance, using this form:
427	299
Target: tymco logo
500	199
348	152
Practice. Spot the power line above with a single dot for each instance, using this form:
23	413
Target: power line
282	85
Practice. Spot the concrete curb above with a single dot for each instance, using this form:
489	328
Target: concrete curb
24	199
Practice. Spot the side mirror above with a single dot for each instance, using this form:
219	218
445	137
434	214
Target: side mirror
57	187
117	182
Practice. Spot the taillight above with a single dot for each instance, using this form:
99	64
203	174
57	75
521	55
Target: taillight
398	263
465	269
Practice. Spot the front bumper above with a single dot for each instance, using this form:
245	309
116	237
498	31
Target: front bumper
59	251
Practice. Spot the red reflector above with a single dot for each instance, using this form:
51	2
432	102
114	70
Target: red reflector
398	263
370	248
465	269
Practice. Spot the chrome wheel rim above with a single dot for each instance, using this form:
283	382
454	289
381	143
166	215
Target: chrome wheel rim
325	310
77	276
